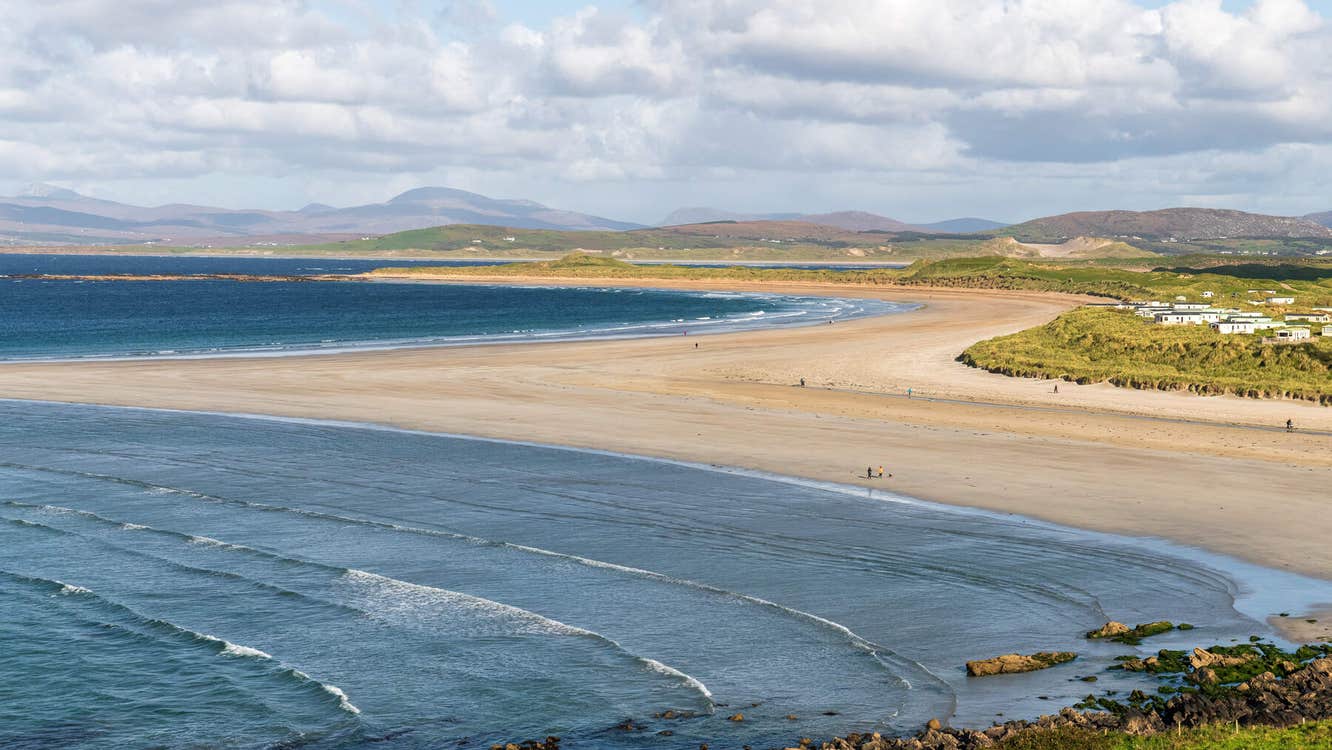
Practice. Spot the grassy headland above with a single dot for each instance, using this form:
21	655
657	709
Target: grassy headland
1094	345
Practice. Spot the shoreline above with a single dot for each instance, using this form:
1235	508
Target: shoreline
1091	467
1251	596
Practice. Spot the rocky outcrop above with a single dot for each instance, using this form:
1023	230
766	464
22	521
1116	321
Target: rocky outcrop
1265	700
1118	631
1201	658
1015	663
1109	630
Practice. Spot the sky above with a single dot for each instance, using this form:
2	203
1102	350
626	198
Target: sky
1004	109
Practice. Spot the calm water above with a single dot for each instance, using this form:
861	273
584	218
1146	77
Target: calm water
176	579
63	319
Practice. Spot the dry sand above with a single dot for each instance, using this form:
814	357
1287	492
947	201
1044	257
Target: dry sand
1213	472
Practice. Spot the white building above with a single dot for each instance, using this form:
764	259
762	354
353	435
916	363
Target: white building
1208	295
1280	300
1233	326
1293	334
1327	330
1190	306
1180	318
1311	317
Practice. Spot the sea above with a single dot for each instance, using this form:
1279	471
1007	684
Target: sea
194	580
77	318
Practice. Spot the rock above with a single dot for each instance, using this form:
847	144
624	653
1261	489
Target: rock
934	724
1203	658
1015	663
1109	630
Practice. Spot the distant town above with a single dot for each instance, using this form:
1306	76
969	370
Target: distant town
1284	326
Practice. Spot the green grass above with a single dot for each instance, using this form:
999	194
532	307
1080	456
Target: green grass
1310	736
1094	345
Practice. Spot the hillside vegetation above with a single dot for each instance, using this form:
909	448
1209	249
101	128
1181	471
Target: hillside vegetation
1178	224
1311	282
1100	345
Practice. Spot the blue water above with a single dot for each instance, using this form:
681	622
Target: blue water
47	318
174	579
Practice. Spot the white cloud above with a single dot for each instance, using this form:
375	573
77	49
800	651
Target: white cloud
949	93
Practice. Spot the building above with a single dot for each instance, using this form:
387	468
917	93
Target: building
1180	318
1208	295
1292	334
1233	326
1311	317
1327	330
1190	306
1280	300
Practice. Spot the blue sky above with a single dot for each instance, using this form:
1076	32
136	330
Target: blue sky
920	111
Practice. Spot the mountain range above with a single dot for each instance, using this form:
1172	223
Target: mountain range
1167	225
853	221
50	215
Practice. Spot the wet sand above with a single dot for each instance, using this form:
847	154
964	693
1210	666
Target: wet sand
1212	472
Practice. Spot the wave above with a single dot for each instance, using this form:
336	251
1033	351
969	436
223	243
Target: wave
171	630
395	593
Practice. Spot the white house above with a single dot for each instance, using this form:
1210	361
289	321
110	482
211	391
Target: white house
1327	330
1280	300
1311	317
1180	298
1233	326
1175	318
1208	295
1189	306
1293	334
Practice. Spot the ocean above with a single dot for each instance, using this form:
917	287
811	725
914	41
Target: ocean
62	319
175	579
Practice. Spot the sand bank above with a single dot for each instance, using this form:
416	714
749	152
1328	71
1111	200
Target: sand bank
1215	472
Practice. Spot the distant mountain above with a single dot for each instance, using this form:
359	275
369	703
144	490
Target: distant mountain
852	221
704	215
50	215
1178	224
1324	218
965	225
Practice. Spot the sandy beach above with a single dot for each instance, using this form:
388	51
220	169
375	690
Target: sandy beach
1212	472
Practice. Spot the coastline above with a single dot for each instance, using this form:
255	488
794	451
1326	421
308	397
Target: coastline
1094	464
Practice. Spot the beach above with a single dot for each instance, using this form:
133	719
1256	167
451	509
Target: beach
1212	472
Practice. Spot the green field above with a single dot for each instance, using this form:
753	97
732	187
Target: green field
1310	736
1096	345
1310	283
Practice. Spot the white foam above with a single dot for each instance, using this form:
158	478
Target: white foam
235	649
343	702
69	588
131	527
403	600
670	671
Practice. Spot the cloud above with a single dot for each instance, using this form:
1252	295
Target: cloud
947	92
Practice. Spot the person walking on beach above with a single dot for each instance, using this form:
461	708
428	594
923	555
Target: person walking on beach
802	382
908	393
1290	426
1056	388
869	472
881	471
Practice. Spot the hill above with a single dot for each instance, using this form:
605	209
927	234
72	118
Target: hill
47	215
1166	225
855	221
964	225
1078	248
1323	218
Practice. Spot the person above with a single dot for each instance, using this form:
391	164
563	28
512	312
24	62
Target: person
1290	426
802	382
869	472
908	393
695	344
880	472
1056	387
